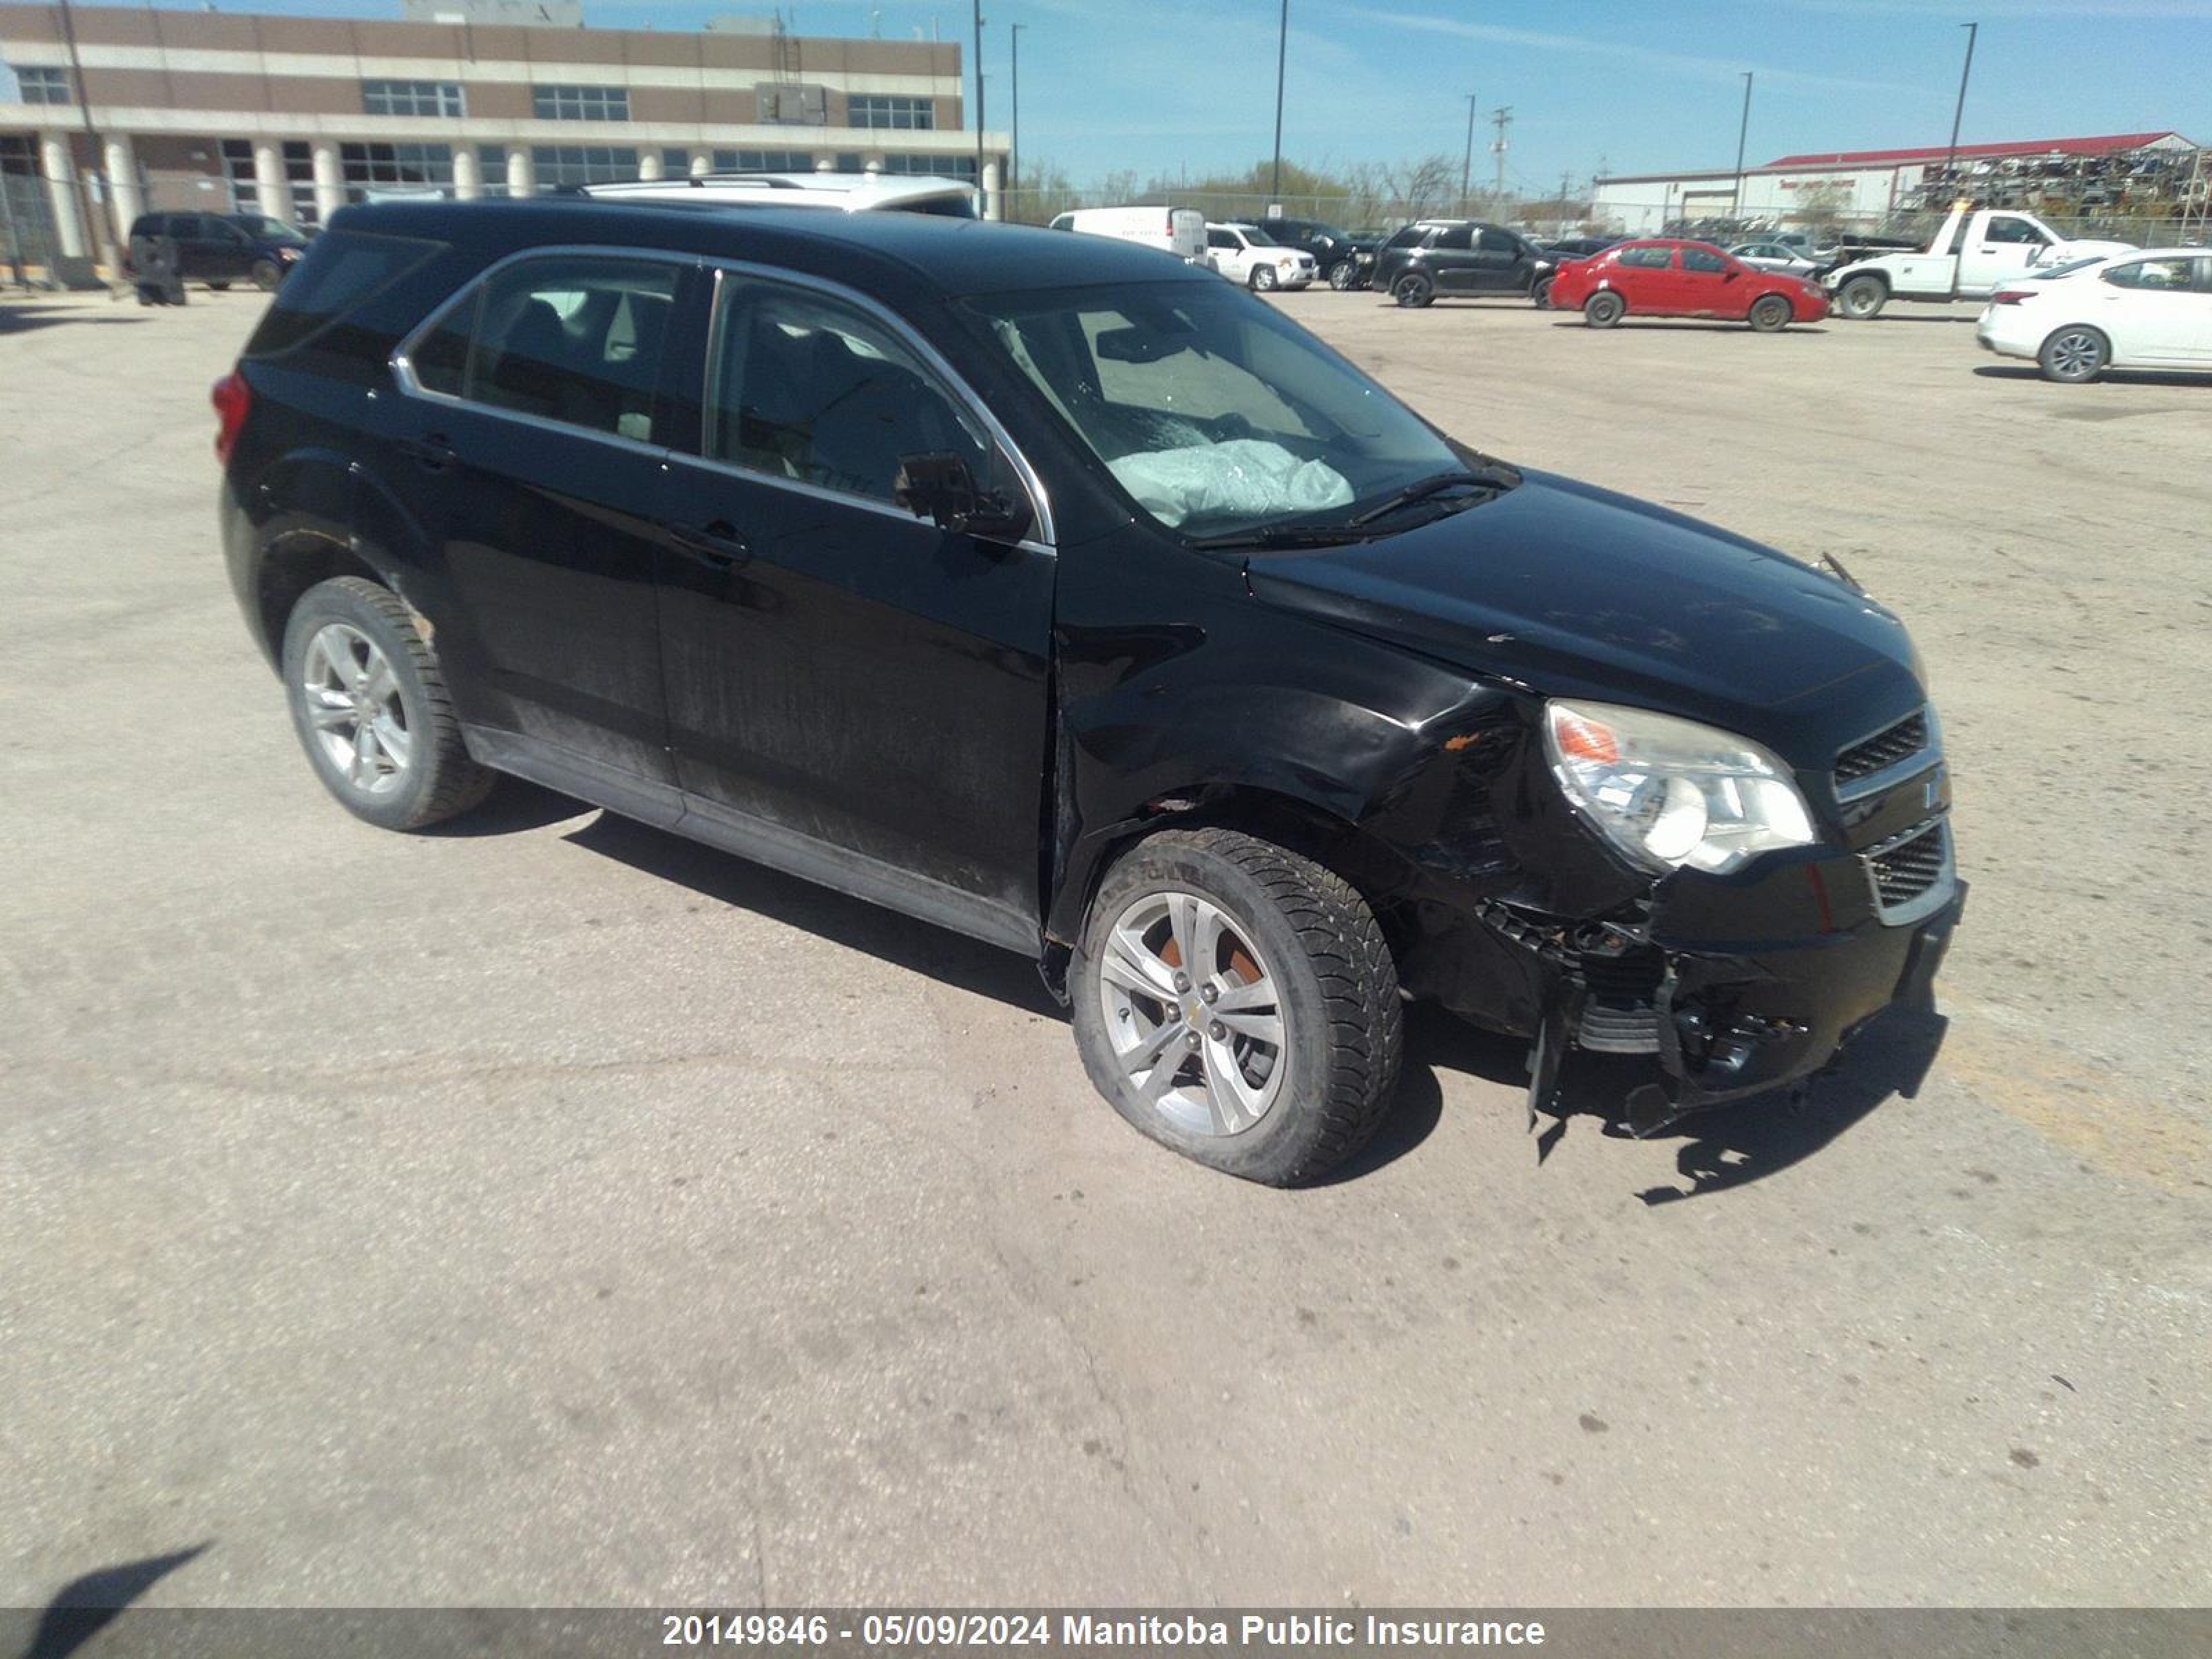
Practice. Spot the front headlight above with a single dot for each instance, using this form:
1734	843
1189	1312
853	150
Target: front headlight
1670	792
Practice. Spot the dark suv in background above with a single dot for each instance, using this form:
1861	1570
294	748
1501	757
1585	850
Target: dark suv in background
1336	253
1448	258
222	248
893	552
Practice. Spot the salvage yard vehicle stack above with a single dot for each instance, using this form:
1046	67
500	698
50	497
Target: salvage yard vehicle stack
878	548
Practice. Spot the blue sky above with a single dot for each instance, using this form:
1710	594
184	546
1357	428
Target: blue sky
1159	85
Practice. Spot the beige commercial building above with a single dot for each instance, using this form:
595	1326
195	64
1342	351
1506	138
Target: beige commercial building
295	116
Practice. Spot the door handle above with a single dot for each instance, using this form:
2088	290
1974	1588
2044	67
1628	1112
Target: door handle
717	541
433	452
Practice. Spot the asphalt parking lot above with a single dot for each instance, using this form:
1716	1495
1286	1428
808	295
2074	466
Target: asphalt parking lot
553	1212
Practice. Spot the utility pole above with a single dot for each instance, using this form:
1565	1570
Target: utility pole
1014	146
1466	163
1567	183
1503	119
1742	132
96	226
1282	57
978	6
1958	112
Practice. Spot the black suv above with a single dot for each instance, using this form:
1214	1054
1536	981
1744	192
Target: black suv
1336	253
1075	599
1434	259
222	248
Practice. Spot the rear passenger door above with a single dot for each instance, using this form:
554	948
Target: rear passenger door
1499	265
853	692
1450	257
531	454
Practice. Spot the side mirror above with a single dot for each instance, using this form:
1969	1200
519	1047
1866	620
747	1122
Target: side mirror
937	485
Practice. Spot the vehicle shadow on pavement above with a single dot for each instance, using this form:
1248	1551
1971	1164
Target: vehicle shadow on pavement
938	952
20	319
515	806
81	1608
1732	1145
1632	324
2108	377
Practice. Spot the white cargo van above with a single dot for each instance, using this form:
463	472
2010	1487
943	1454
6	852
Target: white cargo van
1179	231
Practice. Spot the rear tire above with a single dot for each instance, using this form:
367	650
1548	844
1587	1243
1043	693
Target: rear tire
1413	290
1863	298
221	287
1308	1072
1770	313
2074	355
1604	308
352	657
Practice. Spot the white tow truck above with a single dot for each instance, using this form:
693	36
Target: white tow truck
1978	251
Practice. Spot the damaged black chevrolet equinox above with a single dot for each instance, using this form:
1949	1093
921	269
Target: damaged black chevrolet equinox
1043	588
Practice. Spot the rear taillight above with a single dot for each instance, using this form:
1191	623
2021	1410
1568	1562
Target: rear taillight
2011	296
232	398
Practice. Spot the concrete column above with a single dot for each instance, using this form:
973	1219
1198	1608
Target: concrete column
60	168
648	162
468	174
994	200
272	191
125	200
702	160
329	179
522	171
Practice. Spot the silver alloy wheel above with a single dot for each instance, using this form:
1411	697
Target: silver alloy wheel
2076	354
1193	1012
350	698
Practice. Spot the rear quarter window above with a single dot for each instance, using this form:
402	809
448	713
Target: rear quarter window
344	269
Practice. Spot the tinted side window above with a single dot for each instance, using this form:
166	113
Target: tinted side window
342	269
808	388
1454	238
2011	230
1647	259
1499	241
574	340
1407	237
2159	276
1700	258
1221	239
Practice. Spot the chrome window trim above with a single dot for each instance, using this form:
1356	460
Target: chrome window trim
1042	536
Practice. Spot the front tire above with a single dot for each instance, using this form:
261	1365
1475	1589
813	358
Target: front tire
1542	294
220	288
1770	313
1604	308
1235	1001
1263	278
1343	276
369	703
2074	355
1413	290
1862	298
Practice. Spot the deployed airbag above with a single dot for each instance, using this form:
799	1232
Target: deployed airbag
1242	478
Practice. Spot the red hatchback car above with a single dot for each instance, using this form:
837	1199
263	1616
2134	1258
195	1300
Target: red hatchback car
1683	279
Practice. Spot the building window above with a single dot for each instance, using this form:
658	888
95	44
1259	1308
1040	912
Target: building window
375	170
939	166
412	98
580	103
298	191
789	104
676	164
903	114
45	86
764	161
491	163
582	164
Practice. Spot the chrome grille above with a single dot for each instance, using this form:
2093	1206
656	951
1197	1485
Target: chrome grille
1911	874
1888	747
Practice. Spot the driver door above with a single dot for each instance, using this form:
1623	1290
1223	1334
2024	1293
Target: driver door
853	692
2006	248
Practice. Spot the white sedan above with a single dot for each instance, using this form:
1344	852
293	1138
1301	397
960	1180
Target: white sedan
1247	254
1776	255
2146	308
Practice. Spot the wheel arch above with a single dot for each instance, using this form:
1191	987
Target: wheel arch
295	561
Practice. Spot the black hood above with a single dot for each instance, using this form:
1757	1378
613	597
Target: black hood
1567	589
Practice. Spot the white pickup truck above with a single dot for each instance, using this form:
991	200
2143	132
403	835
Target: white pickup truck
1978	252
